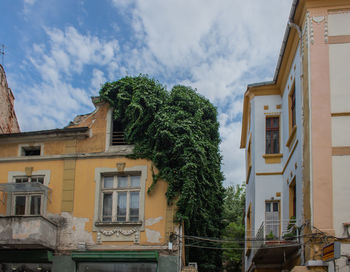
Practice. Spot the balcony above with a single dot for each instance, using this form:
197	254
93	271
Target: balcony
27	232
276	242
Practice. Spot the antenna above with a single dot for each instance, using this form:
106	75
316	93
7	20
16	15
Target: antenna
2	53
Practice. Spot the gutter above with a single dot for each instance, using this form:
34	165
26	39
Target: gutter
285	39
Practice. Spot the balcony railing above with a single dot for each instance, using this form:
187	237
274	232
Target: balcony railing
272	232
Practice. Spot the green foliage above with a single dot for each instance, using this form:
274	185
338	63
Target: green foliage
234	202
178	131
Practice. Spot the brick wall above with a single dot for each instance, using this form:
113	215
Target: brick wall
8	119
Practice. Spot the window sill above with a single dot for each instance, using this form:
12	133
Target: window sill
291	137
107	224
273	158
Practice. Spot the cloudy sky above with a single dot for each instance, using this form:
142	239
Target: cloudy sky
59	52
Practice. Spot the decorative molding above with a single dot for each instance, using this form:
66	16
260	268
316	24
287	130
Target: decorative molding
311	29
118	231
318	19
119	234
119	153
276	113
120	166
326	30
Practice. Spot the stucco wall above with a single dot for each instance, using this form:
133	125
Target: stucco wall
341	193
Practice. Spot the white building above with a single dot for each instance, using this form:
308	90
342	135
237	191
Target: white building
295	131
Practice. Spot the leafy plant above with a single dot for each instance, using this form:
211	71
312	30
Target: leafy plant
291	229
270	236
234	202
178	132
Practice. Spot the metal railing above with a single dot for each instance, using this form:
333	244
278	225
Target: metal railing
273	232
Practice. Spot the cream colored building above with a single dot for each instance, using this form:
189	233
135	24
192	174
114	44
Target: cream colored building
295	133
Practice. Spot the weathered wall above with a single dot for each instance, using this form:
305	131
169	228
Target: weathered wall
8	119
73	204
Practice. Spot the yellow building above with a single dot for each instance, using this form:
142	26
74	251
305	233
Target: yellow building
71	200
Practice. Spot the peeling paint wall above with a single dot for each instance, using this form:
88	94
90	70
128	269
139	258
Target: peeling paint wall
8	119
72	232
80	226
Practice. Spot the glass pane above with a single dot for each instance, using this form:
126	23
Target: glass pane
35	204
268	122
107	208
38	179
268	142
268	207
275	141
21	180
134	206
275	207
108	182
275	122
135	181
20	207
121	209
122	181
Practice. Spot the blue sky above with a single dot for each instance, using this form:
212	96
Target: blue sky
59	52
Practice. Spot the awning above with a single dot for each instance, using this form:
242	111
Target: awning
115	256
25	256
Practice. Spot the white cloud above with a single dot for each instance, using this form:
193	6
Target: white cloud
216	47
98	79
29	2
55	100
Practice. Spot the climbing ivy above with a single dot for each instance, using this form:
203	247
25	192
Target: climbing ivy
178	131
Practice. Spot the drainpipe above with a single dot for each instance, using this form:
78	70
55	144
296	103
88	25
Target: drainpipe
291	24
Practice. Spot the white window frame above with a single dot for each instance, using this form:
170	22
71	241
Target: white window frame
114	191
28	196
102	172
11	202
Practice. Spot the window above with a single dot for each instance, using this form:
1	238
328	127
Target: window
23	179
292	199
272	219
118	134
292	110
249	231
272	135
120	198
27	203
31	150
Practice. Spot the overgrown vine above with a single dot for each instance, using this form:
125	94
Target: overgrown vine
178	131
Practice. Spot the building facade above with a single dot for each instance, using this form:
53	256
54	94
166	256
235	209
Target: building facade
71	200
8	119
295	133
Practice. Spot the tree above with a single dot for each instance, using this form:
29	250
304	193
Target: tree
178	131
234	202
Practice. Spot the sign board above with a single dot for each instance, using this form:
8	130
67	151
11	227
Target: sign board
331	252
